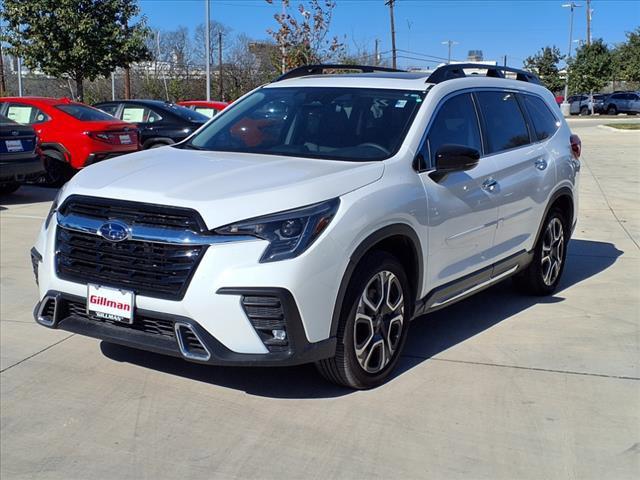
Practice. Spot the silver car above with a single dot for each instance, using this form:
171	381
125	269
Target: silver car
623	102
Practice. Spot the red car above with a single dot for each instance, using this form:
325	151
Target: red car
72	135
208	108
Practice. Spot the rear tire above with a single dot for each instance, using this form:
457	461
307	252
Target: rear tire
585	111
373	324
7	188
542	275
57	172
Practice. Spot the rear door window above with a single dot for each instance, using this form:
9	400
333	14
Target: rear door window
455	123
206	111
544	122
505	126
139	114
25	114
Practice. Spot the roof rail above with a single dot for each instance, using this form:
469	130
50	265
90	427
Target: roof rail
306	70
456	70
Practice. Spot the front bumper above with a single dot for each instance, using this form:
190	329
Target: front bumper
213	302
19	170
178	336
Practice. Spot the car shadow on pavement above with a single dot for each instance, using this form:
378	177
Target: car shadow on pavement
428	335
28	194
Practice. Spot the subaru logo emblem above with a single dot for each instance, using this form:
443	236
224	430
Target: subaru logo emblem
114	231
15	133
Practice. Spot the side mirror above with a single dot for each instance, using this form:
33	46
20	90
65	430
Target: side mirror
456	158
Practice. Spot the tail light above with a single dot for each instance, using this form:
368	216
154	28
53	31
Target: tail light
115	137
576	146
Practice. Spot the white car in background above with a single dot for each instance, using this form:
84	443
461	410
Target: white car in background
313	219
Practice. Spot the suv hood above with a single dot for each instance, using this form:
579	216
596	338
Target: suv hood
223	187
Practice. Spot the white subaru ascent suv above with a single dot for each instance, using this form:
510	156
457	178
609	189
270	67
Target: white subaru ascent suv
313	219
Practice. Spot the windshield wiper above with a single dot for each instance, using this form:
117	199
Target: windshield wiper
189	146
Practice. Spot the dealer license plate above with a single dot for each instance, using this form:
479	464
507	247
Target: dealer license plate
14	145
110	303
125	139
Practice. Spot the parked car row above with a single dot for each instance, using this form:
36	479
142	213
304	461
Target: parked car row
53	138
609	104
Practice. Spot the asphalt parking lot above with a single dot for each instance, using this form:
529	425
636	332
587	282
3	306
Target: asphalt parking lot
499	386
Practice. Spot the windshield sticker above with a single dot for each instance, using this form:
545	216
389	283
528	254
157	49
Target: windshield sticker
401	103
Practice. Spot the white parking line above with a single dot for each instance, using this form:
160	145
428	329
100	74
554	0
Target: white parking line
8	215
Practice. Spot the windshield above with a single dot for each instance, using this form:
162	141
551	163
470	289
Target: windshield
356	124
85	113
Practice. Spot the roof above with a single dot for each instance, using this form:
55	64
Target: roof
403	81
44	100
391	80
204	103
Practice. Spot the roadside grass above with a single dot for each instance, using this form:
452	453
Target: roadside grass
624	126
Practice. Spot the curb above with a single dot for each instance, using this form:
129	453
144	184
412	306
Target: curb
617	130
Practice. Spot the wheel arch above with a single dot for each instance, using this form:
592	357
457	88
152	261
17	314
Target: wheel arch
157	140
563	197
57	151
400	240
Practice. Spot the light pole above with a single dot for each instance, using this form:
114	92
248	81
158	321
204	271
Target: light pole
565	105
450	43
208	48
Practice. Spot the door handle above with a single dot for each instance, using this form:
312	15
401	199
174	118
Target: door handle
540	163
489	185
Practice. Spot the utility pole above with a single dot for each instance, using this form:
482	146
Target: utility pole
376	54
589	11
3	85
505	60
113	86
19	76
450	43
220	92
393	33
565	105
284	50
208	47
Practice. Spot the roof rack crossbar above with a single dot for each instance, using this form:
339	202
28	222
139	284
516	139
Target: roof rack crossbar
307	70
456	70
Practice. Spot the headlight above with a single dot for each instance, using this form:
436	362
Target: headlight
289	233
54	207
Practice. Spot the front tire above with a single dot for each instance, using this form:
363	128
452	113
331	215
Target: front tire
612	110
542	275
8	188
373	324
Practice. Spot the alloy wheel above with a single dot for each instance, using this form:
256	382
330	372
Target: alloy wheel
552	251
379	322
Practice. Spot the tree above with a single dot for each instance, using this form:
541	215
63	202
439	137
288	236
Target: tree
77	39
200	41
591	69
545	65
302	39
627	57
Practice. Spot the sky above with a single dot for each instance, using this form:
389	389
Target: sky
516	28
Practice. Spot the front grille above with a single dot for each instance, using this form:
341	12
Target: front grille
142	323
147	268
133	213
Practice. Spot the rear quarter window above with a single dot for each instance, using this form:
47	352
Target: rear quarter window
544	122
